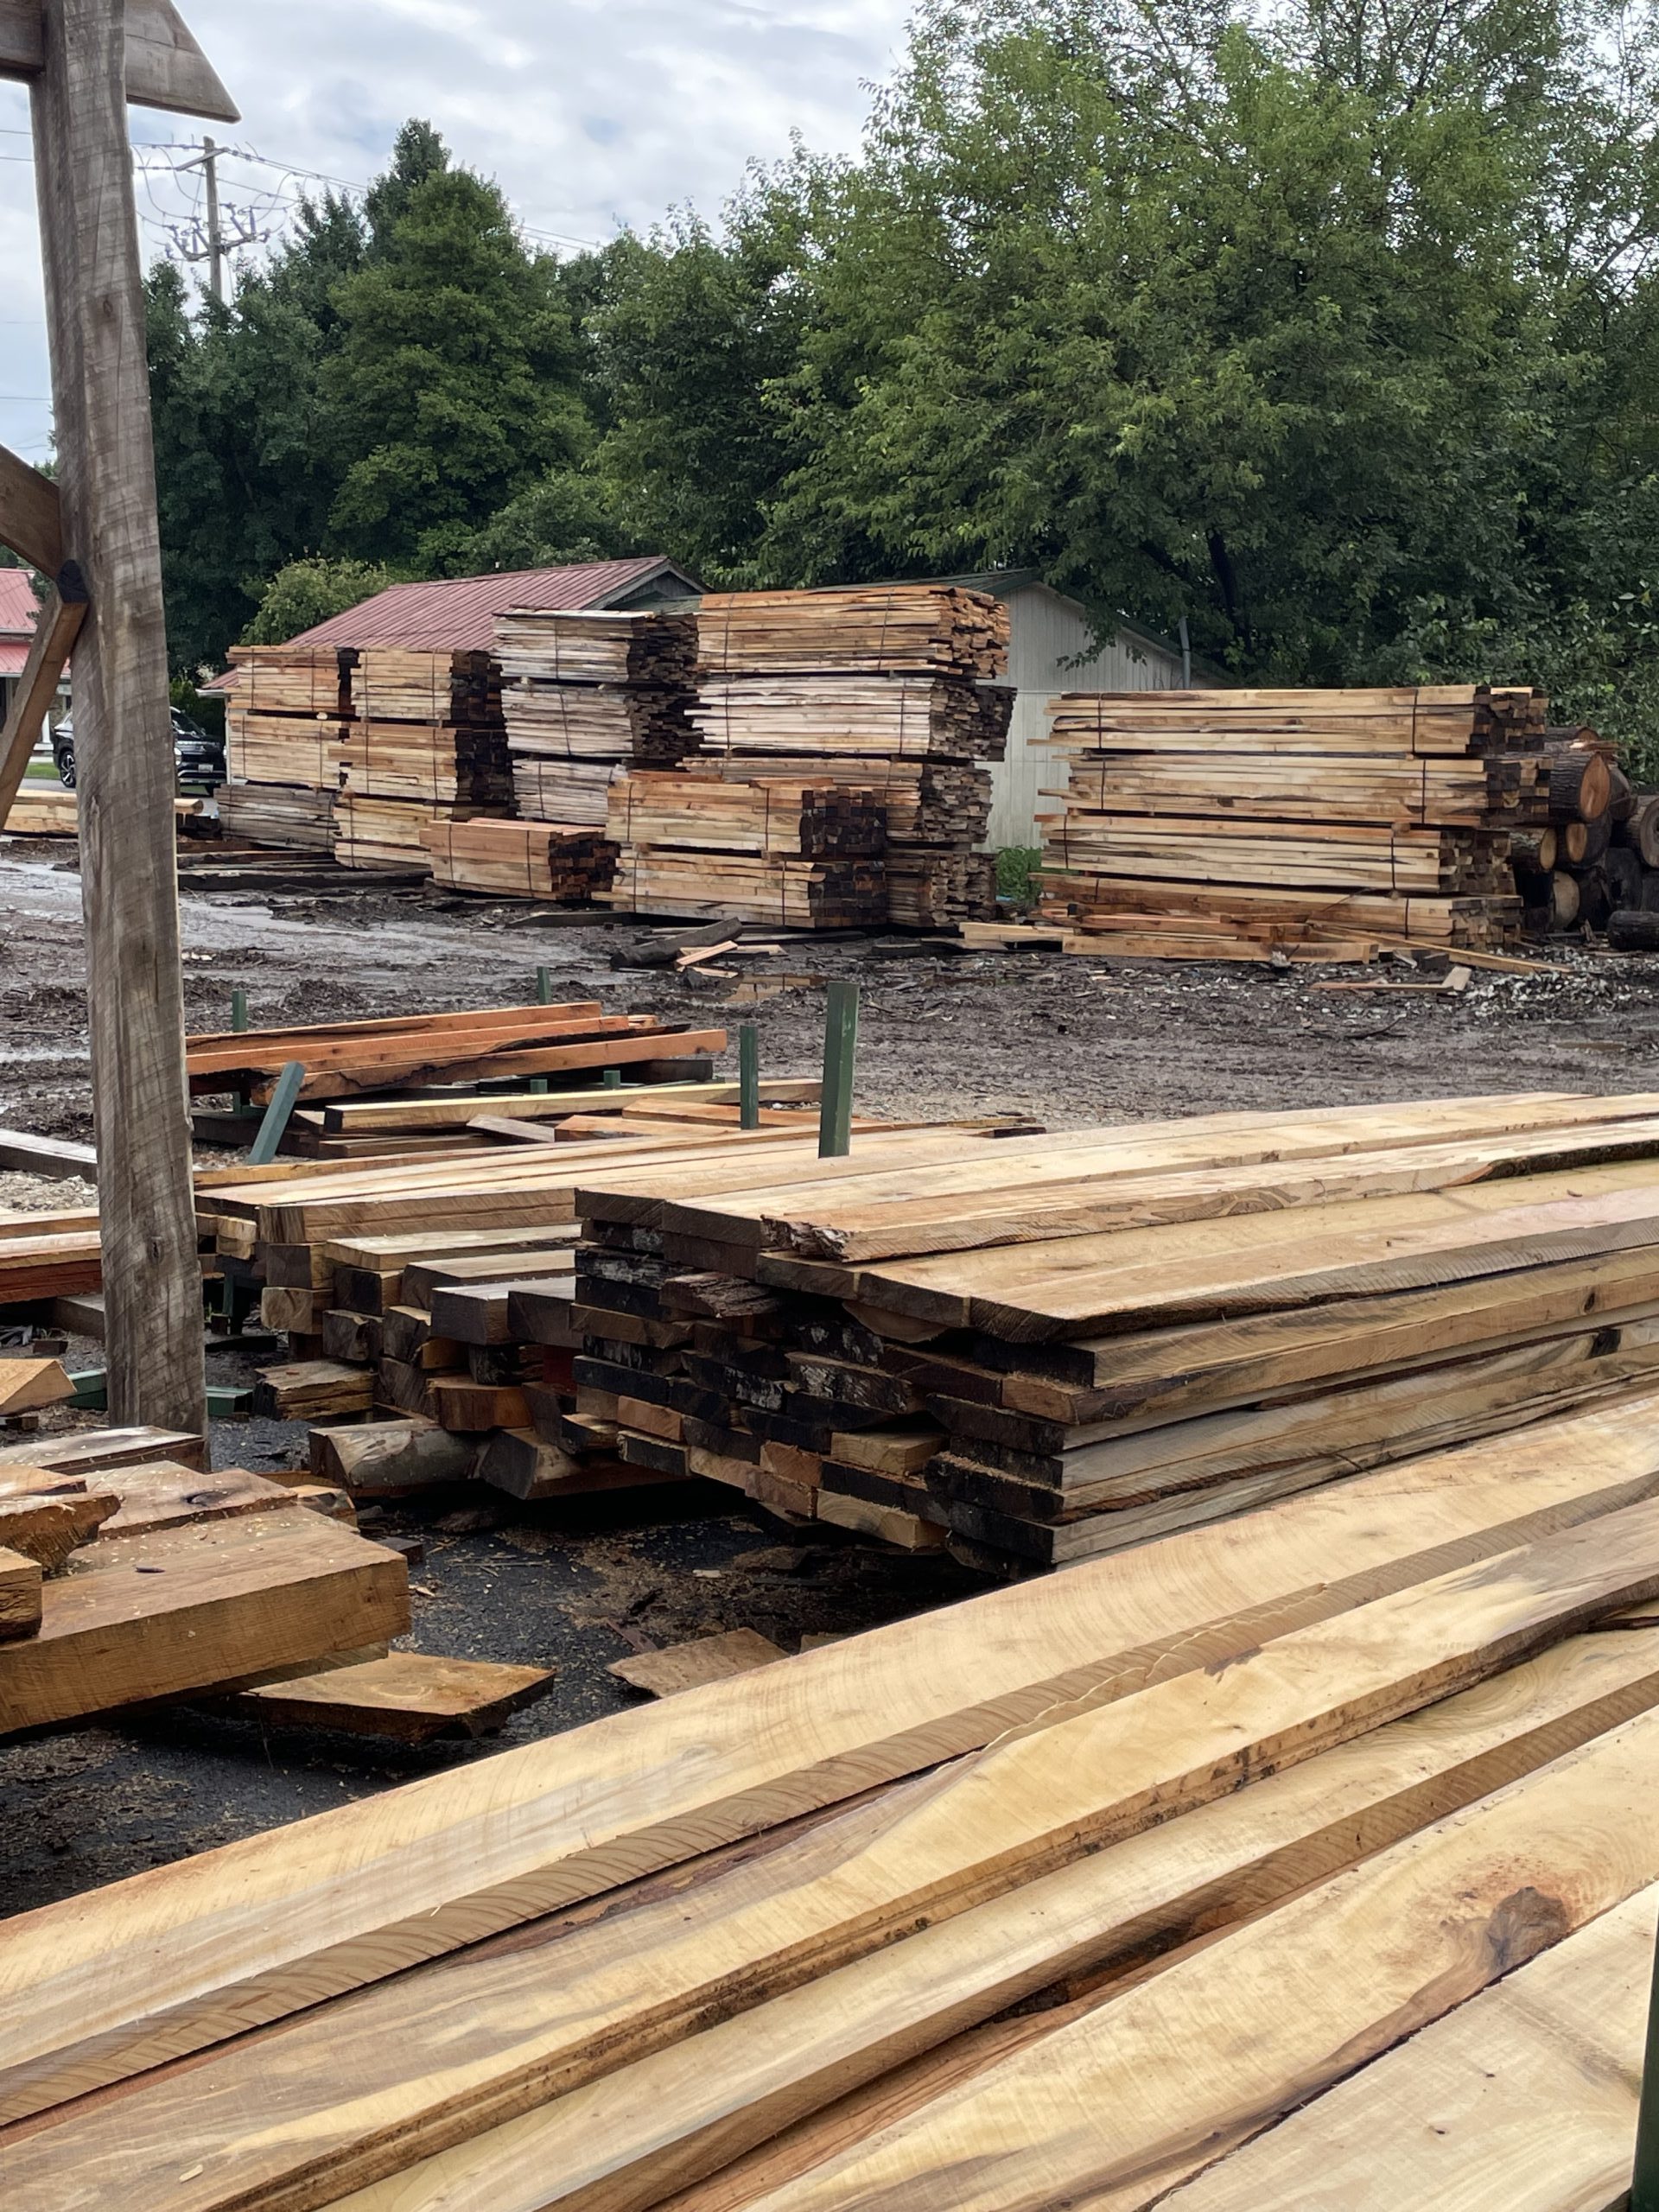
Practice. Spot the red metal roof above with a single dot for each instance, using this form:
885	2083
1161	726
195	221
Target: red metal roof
18	607
459	615
13	657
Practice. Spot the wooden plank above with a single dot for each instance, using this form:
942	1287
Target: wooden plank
31	518
164	1495
155	1616
390	1458
19	1597
1140	2092
48	1156
57	625
1524	2097
123	739
47	1528
663	2121
89	1452
86	2005
26	1385
689	1666
165	68
370	1116
357	2092
409	1696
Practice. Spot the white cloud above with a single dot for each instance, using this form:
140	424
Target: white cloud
591	114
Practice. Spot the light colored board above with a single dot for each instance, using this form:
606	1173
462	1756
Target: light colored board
410	1696
89	1452
372	1117
1143	2090
155	1616
19	1597
251	1931
665	2120
46	1530
26	1385
689	1666
1523	2099
359	2090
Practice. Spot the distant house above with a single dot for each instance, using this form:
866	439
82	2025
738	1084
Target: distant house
1047	631
458	614
18	609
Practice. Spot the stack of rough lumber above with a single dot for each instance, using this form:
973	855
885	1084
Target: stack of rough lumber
47	1256
1043	1348
882	687
285	725
521	860
797	894
127	1574
1308	1861
1235	817
790	853
427	745
346	1059
587	695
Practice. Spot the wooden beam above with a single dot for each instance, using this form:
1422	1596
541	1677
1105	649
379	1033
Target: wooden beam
31	520
56	627
165	68
95	318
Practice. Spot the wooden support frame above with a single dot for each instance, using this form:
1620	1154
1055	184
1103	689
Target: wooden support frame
86	57
56	627
31	514
164	66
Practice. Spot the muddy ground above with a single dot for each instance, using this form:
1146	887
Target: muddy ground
1066	1040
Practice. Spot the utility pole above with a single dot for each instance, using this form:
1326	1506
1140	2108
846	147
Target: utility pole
215	239
123	739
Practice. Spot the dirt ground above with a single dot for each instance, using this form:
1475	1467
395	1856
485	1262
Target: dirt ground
1066	1040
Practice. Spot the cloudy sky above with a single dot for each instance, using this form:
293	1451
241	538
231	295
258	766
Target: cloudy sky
591	114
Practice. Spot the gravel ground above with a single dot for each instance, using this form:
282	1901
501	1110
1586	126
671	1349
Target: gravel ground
1066	1040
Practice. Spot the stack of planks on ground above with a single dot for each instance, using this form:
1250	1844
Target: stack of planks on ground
285	728
347	1058
1040	1350
1306	1860
588	696
127	1574
1223	819
521	860
427	746
44	1255
433	1301
879	689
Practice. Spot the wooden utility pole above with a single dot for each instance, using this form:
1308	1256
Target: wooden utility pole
123	737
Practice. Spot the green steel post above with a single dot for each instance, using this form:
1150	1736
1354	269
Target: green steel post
539	1083
611	1079
840	1054
1644	2187
285	1096
239	1023
748	1077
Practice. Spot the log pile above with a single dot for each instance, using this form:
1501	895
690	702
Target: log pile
873	690
1046	1349
1288	817
521	860
1304	1861
285	727
586	697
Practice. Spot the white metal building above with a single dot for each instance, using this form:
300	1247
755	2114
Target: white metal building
1048	634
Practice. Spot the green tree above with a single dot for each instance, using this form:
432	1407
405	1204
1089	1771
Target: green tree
305	593
454	388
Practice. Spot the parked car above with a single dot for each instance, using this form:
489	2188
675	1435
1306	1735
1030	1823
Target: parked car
200	758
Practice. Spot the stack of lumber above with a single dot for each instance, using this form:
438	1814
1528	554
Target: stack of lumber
795	894
46	810
343	1059
1044	1348
128	1574
1240	818
773	817
285	732
46	1256
521	860
427	745
1304	1862
587	695
882	688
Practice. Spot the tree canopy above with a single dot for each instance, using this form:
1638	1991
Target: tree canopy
1324	325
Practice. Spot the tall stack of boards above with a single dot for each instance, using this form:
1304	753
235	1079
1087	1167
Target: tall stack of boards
1311	1860
1035	1349
882	690
1452	815
285	728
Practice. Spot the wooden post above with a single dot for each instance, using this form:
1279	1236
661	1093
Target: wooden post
840	1057
123	737
1644	2188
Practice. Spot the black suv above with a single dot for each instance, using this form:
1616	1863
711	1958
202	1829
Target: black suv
200	757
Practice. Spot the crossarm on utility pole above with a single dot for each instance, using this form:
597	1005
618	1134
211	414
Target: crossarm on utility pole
56	627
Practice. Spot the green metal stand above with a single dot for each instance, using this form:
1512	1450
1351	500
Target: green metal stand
748	1077
840	1056
539	1084
283	1098
1644	2185
239	1026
